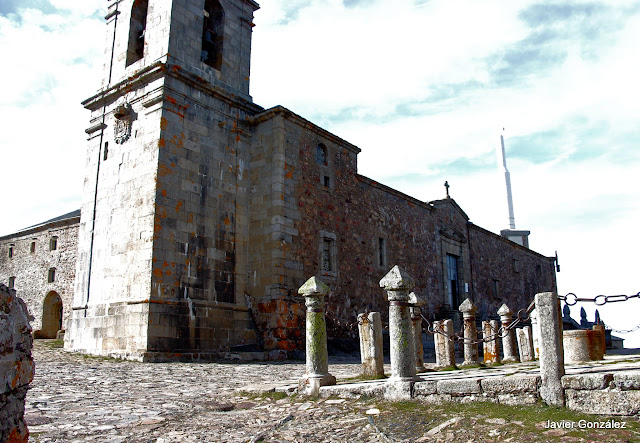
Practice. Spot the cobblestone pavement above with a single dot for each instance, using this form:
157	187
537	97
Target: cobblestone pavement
77	398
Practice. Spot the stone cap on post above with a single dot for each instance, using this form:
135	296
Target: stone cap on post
313	292
397	280
416	300
312	287
505	313
467	308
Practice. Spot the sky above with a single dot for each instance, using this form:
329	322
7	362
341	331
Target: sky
424	87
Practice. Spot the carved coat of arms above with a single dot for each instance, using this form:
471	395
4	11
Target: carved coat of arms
122	123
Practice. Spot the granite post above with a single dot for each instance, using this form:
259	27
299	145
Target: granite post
468	310
317	373
445	350
535	332
509	349
417	301
491	348
398	285
370	328
525	343
551	351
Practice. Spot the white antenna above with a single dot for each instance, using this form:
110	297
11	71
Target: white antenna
507	178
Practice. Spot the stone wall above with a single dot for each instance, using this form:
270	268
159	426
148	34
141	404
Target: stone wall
28	264
300	204
16	365
505	272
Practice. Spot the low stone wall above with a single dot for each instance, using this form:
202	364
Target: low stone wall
16	365
603	393
613	393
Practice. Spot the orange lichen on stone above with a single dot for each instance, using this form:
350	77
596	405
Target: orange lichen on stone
163	192
164	123
161	143
164	170
178	206
158	273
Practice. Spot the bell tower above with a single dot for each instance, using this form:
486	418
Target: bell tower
162	252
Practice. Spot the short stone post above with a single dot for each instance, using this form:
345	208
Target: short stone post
445	351
491	347
468	310
317	373
508	337
551	351
535	332
370	328
398	285
417	301
525	343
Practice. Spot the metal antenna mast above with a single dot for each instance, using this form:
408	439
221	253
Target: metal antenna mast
507	178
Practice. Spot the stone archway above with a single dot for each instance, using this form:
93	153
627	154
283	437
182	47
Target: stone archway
51	315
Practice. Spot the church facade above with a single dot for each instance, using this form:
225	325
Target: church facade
203	213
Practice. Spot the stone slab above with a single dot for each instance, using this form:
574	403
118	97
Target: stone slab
459	387
511	385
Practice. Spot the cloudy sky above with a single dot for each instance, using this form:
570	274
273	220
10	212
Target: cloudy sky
423	87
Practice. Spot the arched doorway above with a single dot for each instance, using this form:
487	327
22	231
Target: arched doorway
51	315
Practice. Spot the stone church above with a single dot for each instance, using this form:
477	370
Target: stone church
203	212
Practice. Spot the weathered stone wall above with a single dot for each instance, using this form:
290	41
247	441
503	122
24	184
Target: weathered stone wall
16	365
31	270
518	273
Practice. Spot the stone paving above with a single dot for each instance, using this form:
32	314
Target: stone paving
77	398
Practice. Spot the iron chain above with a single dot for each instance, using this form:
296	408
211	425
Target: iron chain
572	299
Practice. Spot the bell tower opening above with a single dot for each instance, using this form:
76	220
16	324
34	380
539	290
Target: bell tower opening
137	28
212	34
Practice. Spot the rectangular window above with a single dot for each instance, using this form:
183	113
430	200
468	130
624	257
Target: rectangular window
382	252
52	275
11	251
53	243
328	259
516	266
326	181
452	281
33	247
12	282
494	289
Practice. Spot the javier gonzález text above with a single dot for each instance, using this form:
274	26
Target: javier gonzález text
586	424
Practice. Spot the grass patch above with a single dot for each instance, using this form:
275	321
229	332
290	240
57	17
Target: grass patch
53	344
103	358
364	378
448	368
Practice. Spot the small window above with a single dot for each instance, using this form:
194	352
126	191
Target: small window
328	257
321	154
137	29
52	275
326	181
12	282
32	249
212	34
106	151
494	289
53	243
516	265
11	251
382	252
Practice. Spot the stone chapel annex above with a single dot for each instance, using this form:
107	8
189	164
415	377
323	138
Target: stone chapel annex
203	213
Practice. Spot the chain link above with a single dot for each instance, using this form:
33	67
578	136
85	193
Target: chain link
618	331
572	299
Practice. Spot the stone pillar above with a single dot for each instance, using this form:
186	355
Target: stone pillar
398	284
445	350
468	310
525	343
417	301
16	365
491	348
317	373
508	337
551	351
602	347
370	328
535	332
